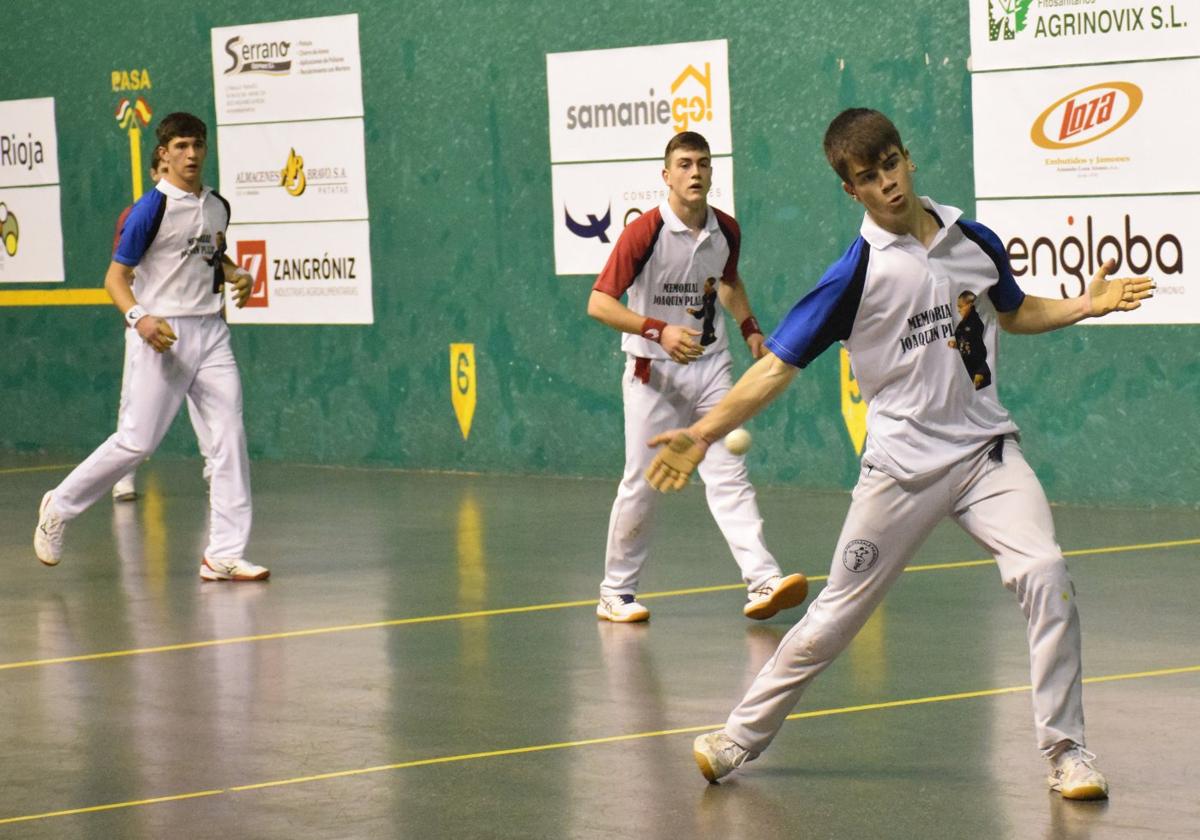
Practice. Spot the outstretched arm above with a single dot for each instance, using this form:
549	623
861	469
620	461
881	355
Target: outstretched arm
763	382
1102	296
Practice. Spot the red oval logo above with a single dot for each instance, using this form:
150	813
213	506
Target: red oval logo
1086	115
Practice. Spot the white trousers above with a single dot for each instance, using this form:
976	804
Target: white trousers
200	365
203	436
999	503
675	396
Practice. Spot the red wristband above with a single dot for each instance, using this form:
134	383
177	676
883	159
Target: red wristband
750	327
652	329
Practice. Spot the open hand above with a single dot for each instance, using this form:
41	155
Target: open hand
677	341
242	282
1121	295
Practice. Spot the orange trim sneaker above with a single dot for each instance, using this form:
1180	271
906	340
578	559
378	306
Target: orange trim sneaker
622	609
1074	776
778	593
48	535
718	755
232	569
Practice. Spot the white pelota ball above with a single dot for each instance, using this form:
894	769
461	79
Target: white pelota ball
738	441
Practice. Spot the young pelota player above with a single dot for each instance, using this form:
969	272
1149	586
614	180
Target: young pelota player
175	238
939	443
665	261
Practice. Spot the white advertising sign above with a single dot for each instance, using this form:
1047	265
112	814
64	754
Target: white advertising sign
1056	245
28	143
294	172
625	104
31	248
1007	34
304	274
593	202
1098	130
288	70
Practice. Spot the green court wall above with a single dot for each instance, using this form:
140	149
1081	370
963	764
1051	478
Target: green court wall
461	239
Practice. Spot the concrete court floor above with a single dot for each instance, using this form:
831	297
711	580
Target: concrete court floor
425	663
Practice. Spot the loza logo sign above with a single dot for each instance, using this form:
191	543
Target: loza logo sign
271	57
1081	252
1086	115
252	256
692	103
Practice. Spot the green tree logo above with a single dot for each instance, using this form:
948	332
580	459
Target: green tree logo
1006	18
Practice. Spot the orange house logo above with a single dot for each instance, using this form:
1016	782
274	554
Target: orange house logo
1086	115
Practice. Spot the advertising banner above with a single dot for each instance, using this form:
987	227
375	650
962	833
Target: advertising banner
295	172
287	70
1056	245
31	246
595	201
1007	34
1093	130
625	104
304	274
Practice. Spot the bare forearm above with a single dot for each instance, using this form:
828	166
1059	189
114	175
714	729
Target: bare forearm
735	300
1039	315
118	283
611	312
763	382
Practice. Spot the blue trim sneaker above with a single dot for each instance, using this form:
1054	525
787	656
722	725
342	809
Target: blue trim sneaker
232	569
1073	774
778	593
621	609
48	536
718	755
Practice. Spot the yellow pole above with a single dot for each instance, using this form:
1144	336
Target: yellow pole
135	157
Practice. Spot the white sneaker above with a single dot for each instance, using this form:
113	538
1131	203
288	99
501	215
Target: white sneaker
124	490
778	593
621	608
1074	776
232	569
718	755
48	536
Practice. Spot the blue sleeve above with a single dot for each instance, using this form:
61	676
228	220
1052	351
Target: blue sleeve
826	314
141	228
1006	295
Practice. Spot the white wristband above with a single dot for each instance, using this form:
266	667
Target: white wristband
135	314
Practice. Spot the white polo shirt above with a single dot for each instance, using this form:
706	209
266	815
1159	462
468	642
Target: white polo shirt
174	238
673	276
930	385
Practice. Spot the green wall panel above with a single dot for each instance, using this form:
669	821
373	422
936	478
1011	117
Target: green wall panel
461	223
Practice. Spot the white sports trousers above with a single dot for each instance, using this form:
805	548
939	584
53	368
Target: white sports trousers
676	396
199	365
999	503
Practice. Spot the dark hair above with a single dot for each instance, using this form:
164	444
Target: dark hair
180	124
858	134
689	140
156	159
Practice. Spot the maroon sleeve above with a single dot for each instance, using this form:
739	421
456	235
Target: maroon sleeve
120	227
630	254
733	235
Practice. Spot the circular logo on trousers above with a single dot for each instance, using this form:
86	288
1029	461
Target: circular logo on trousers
860	555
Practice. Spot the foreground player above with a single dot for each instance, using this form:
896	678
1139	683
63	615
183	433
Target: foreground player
666	261
125	490
175	238
937	445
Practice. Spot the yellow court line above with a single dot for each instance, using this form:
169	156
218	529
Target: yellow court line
431	619
44	468
585	742
55	297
